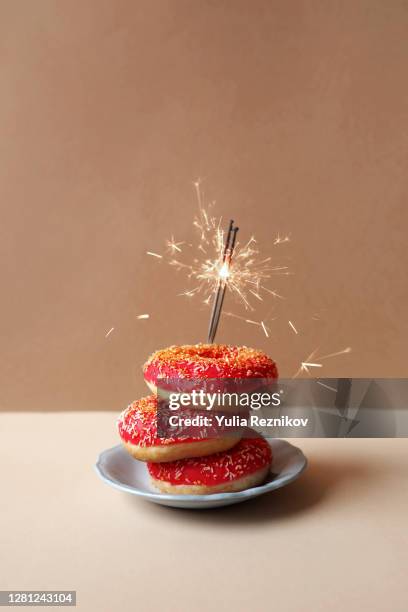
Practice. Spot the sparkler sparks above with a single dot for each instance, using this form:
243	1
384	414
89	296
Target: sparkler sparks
109	332
274	293
260	324
319	382
246	279
293	327
249	277
173	246
305	365
343	352
235	316
264	329
281	239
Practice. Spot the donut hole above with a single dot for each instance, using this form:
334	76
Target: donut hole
210	352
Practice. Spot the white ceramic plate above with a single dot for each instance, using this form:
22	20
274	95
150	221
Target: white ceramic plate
118	469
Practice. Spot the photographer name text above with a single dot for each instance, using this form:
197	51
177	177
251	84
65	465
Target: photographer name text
253	420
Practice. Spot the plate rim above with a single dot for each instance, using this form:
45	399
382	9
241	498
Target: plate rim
268	486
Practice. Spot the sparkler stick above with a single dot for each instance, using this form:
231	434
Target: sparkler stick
216	302
222	281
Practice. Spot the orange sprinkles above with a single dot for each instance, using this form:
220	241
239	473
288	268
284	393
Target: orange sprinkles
209	361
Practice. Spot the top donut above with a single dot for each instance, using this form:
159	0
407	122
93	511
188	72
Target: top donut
209	361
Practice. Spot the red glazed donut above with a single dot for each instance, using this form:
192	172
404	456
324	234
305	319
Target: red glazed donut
242	467
137	426
208	361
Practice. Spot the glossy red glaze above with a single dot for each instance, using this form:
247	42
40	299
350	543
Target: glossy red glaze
246	457
209	361
138	425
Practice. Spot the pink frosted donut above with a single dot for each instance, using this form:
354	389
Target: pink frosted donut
208	361
243	466
137	427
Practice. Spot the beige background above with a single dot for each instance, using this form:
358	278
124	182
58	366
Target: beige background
295	116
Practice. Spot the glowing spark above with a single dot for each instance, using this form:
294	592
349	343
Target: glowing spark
235	316
191	292
305	365
154	254
343	352
293	327
224	271
327	386
264	328
250	321
277	295
258	297
143	316
281	240
198	192
174	246
109	332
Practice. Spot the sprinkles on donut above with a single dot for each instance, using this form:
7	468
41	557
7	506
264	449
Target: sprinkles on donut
245	465
137	427
208	361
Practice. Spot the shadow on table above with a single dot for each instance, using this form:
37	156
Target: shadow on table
318	483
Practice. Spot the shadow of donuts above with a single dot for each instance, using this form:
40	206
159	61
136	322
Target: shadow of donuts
319	483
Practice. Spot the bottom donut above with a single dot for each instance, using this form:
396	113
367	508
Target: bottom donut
244	466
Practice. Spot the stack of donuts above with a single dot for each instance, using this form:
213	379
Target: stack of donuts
193	464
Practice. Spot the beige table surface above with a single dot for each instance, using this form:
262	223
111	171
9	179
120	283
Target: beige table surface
334	540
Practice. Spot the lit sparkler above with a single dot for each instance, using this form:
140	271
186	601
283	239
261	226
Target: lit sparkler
204	265
223	276
248	278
